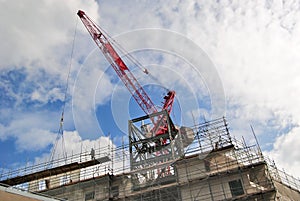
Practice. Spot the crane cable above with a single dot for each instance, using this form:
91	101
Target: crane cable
134	60
61	130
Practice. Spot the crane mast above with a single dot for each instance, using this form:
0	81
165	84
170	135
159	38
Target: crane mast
136	90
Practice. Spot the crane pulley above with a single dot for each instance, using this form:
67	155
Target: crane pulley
134	87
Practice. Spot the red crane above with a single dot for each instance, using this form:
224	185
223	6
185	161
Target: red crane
136	90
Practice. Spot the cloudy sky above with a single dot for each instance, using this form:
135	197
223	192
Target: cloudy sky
232	58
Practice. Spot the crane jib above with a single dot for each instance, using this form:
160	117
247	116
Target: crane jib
127	77
116	57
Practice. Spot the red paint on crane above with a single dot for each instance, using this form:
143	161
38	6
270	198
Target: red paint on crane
134	87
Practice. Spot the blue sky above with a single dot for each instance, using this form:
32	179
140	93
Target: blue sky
221	57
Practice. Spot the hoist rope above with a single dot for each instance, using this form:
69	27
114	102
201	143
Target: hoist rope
70	66
61	130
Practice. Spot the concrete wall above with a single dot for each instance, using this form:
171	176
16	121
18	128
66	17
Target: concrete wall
209	178
54	181
99	187
285	193
199	178
190	169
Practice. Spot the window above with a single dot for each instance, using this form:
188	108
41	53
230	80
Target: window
42	185
90	195
65	179
236	187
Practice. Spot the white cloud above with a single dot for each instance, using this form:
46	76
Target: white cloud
74	144
285	152
92	87
31	131
76	149
256	56
45	96
254	44
33	32
37	36
42	138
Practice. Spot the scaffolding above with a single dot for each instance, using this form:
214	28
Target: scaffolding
214	166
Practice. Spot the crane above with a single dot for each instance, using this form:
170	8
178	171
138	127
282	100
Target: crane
132	84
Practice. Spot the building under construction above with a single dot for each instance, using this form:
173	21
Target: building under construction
161	161
214	166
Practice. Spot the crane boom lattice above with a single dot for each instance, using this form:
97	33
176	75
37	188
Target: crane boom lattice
134	87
